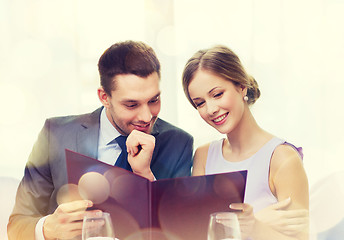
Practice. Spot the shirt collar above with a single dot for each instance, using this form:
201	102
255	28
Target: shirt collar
107	131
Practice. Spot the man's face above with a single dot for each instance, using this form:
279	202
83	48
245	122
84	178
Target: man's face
134	104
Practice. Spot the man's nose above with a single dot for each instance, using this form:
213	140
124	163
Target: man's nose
145	114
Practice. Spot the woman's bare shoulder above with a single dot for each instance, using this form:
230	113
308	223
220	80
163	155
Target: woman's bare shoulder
200	159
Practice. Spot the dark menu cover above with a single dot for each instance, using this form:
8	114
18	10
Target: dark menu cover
171	209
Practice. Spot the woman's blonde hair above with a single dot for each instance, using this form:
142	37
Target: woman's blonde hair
223	62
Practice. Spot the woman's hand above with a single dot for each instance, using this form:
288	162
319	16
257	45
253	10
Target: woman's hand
288	222
246	218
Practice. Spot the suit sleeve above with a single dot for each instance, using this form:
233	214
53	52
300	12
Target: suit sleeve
184	164
172	155
34	191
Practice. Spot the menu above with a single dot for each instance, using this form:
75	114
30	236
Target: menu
175	208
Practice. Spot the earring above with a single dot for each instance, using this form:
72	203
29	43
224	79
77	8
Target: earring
246	98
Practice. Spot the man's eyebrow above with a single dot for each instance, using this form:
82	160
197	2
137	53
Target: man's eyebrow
158	95
129	101
136	101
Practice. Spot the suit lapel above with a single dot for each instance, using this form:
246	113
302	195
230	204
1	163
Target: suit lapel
88	136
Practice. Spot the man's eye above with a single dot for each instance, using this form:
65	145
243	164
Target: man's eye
155	100
130	105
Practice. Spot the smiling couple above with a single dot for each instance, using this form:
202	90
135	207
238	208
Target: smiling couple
217	85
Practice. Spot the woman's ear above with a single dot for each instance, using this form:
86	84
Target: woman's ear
104	97
243	90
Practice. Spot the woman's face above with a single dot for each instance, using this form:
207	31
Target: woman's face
219	102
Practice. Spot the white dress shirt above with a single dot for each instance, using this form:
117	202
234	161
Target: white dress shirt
108	152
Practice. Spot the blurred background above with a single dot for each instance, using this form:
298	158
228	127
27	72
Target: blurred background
294	49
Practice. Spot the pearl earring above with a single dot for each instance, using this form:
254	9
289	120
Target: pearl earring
246	98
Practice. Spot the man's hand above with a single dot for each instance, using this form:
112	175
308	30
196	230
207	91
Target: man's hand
140	147
66	221
288	222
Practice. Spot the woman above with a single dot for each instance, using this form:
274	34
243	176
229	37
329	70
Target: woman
276	198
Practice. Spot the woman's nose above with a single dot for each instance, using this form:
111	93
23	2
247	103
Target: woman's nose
212	109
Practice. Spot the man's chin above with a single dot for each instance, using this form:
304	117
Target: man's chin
143	129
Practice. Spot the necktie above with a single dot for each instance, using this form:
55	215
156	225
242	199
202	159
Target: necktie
122	160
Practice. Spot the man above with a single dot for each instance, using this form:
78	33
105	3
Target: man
130	94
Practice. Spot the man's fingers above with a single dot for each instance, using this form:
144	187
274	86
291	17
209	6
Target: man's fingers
72	211
137	138
79	216
71	230
79	205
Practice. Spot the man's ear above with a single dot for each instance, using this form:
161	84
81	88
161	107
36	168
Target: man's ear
104	97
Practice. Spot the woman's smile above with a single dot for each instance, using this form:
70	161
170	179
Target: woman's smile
220	119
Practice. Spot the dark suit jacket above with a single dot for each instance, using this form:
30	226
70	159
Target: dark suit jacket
46	172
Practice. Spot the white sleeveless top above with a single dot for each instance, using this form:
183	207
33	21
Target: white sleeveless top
258	193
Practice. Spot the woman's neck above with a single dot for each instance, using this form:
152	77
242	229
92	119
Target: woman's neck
247	138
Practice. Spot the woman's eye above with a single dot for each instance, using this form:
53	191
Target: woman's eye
218	94
199	104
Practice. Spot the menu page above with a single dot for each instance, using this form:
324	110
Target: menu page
176	208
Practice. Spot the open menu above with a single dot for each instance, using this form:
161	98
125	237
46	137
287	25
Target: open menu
176	208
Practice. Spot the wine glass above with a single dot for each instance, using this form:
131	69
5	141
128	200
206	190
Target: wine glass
98	228
224	226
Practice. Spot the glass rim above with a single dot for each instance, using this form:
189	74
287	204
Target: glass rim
103	214
222	212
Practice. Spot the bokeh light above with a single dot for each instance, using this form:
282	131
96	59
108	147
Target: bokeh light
95	187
